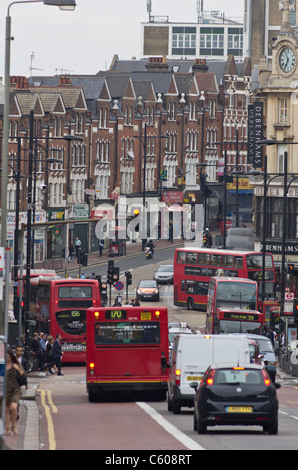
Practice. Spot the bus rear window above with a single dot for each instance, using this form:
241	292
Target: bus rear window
127	333
75	292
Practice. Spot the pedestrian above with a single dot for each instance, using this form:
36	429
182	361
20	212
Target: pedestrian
50	362
54	355
15	377
71	251
19	355
78	245
57	353
42	349
101	246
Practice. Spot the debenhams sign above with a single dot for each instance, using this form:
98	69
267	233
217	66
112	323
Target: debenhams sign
255	133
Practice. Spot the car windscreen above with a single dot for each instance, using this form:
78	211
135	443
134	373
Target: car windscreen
265	345
147	284
165	269
234	377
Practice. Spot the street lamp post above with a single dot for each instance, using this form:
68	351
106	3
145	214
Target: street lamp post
63	5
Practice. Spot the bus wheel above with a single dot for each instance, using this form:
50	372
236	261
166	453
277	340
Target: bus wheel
190	303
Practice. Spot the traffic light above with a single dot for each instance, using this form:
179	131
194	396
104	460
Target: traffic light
128	278
82	258
116	273
291	268
295	311
110	272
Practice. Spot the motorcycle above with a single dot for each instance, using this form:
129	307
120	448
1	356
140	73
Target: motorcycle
149	254
207	240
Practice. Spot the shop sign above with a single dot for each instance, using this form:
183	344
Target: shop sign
81	211
56	214
172	197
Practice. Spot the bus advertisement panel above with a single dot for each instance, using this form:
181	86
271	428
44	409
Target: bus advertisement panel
226	292
193	268
59	306
127	350
237	321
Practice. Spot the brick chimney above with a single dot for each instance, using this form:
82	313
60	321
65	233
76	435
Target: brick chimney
157	64
64	81
20	83
200	65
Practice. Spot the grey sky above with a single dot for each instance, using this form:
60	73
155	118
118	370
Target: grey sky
84	41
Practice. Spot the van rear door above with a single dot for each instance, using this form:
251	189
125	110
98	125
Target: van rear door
196	356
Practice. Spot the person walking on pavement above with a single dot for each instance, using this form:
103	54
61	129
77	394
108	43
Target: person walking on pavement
13	391
78	245
55	355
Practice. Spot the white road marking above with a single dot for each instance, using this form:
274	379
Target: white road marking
170	428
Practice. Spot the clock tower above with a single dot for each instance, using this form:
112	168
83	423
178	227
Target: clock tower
285	51
276	216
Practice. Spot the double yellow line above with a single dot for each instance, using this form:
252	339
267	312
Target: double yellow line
46	395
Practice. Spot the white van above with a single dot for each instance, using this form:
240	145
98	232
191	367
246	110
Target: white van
192	355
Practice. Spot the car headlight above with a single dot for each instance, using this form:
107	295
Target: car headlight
139	291
156	291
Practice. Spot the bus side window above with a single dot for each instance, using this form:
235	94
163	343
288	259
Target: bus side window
238	262
181	257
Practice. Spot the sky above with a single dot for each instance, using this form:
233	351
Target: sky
84	41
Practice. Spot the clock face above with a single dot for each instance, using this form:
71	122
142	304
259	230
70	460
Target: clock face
287	60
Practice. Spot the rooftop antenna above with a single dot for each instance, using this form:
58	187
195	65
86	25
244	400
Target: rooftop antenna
31	68
62	70
200	9
149	8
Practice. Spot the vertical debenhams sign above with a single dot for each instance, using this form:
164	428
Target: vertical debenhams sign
255	134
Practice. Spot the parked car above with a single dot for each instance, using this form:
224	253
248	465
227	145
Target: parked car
235	395
148	289
164	274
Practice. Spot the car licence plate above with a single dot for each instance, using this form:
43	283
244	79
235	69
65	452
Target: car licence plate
239	409
194	377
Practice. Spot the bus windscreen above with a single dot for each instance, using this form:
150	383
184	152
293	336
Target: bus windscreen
236	294
122	333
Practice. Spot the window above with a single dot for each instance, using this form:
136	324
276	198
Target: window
181	257
212	41
192	258
184	41
282	110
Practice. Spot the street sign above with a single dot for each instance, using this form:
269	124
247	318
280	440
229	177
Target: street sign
119	285
289	296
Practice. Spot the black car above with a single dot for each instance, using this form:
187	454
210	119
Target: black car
240	395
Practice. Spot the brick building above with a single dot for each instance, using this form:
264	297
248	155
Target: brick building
97	128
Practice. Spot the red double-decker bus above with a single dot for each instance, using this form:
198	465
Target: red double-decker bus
59	306
127	351
193	268
228	299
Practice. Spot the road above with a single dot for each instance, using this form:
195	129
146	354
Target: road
69	422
